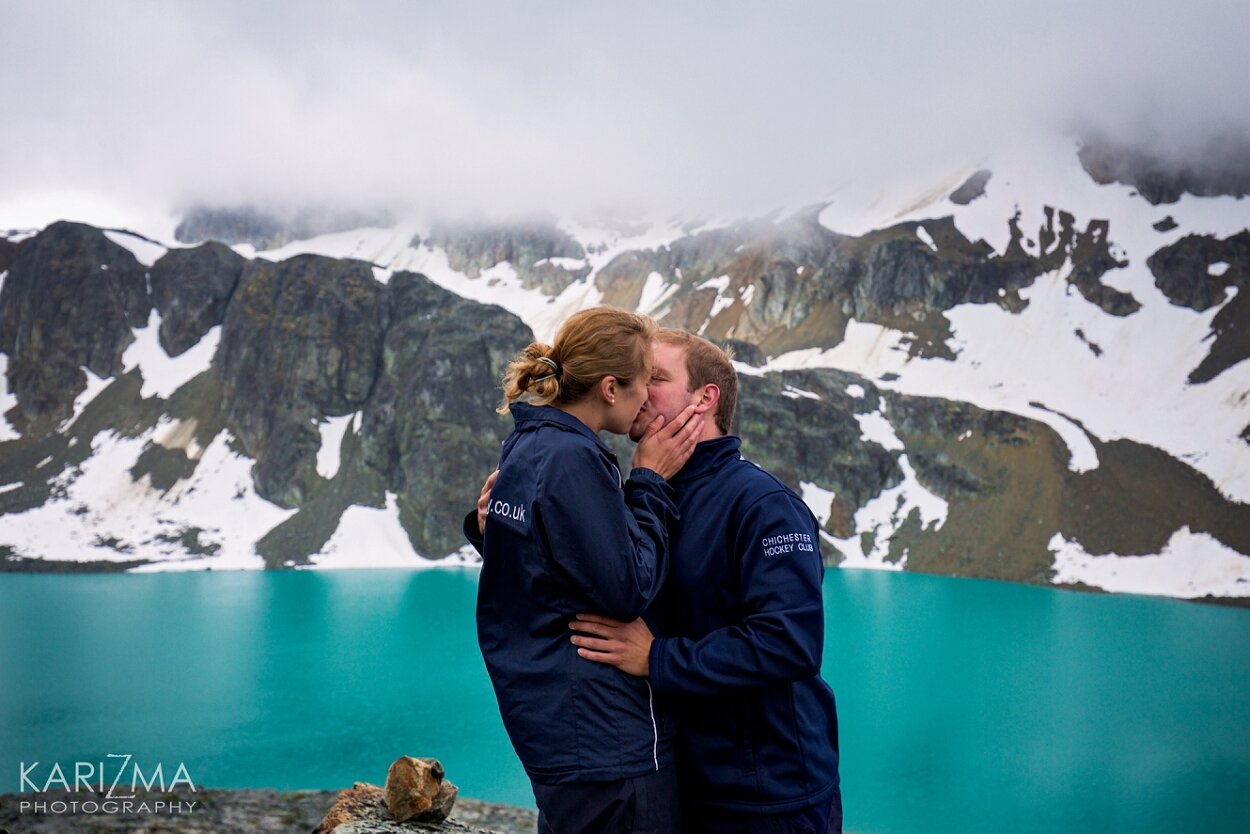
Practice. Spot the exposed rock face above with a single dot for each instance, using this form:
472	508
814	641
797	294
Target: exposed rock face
300	339
8	249
529	247
801	426
972	188
190	289
70	300
1196	272
312	338
1231	328
1009	491
1090	254
417	790
1186	271
1003	478
429	423
796	284
269	230
1222	169
744	352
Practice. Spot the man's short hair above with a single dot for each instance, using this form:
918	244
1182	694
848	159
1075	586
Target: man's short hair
706	363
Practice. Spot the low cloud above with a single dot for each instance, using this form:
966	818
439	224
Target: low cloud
691	108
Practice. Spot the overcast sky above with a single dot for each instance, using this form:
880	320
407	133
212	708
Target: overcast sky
713	107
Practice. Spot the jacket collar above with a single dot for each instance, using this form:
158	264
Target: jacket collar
709	456
529	417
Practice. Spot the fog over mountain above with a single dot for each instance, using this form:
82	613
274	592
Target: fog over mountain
119	112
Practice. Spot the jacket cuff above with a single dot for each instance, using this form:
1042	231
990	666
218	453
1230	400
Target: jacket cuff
647	476
655	668
471	532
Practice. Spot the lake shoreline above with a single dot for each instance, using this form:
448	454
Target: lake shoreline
11	563
216	811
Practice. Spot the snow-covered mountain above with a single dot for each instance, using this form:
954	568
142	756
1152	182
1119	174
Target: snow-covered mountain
1011	371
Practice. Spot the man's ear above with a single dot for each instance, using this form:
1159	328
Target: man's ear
708	398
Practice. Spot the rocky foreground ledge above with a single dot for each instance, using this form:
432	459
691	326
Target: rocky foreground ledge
235	812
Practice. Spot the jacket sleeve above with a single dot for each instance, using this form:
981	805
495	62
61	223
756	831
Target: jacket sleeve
471	533
610	539
780	635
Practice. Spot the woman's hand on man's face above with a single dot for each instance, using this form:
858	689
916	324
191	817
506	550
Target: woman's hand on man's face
664	449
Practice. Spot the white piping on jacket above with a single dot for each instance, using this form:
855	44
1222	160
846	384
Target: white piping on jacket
655	731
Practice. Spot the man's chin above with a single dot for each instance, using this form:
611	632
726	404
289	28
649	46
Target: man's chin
637	430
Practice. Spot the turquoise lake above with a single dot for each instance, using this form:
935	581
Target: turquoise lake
965	706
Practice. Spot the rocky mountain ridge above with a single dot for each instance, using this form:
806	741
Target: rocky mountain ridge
196	407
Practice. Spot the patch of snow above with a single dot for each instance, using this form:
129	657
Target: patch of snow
218	492
179	435
747	293
374	245
370	537
164	374
795	393
1190	565
885	514
543	313
818	500
748	370
8	400
655	292
569	264
332	431
720	283
1218	268
145	251
875	428
856	391
95	385
923	234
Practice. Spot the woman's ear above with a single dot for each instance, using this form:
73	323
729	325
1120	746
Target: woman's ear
607	389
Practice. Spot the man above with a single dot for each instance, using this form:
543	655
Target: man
741	619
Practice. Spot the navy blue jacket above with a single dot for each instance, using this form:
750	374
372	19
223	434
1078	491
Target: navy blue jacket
565	535
757	728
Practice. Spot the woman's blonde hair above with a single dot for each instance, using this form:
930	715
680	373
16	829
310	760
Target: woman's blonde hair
592	344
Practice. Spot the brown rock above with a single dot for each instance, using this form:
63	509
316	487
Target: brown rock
360	802
415	790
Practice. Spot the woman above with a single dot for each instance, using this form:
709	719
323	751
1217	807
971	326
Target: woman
564	533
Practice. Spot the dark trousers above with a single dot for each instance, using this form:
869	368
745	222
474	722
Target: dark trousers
825	818
642	805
